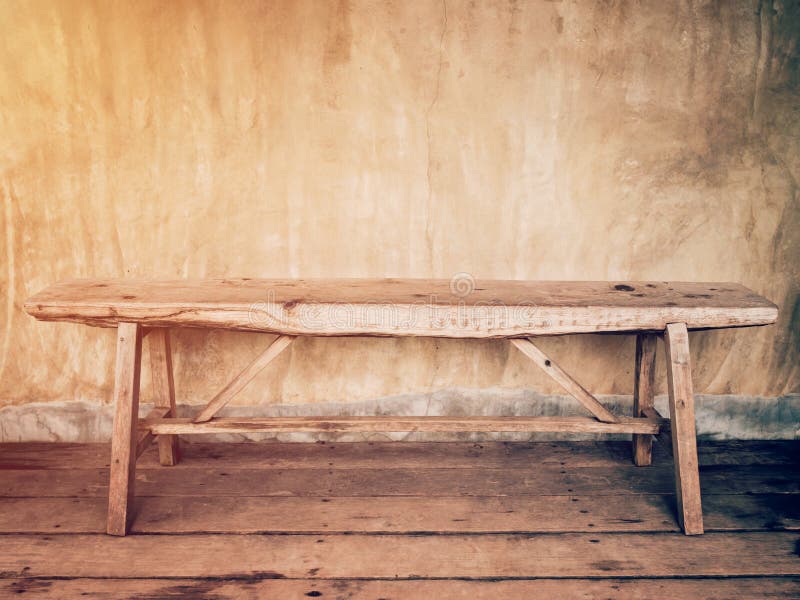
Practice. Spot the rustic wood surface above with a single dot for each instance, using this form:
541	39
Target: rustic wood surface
400	424
682	427
643	393
124	436
400	307
249	588
399	514
571	520
441	481
408	455
163	384
399	556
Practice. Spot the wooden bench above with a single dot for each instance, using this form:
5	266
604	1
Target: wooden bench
457	308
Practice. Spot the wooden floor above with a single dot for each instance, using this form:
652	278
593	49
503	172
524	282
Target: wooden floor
401	520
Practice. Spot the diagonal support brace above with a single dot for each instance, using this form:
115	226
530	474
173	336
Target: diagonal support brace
242	379
575	389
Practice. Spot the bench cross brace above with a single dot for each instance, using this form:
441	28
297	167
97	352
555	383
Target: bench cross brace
239	382
560	376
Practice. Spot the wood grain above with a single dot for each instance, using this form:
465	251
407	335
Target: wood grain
407	455
684	441
254	588
281	529
399	424
163	383
565	380
393	556
400	514
554	480
124	439
644	394
403	307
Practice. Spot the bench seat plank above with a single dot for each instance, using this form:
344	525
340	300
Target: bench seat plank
403	307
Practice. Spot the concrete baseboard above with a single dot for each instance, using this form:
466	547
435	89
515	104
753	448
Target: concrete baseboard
718	417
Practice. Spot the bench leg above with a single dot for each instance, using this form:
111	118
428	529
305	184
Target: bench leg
684	441
643	395
164	391
123	437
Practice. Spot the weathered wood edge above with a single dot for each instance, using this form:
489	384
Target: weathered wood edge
163	385
643	394
684	437
404	319
515	588
569	555
399	424
124	438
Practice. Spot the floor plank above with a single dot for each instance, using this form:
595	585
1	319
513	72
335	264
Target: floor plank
399	455
401	520
392	556
538	480
464	514
761	588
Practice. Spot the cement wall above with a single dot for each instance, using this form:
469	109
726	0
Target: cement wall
506	139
